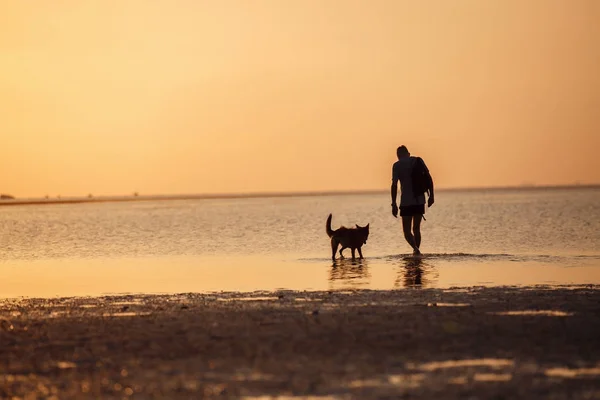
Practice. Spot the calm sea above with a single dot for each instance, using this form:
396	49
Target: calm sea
493	237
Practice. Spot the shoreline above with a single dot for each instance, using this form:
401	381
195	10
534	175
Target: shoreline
501	342
265	294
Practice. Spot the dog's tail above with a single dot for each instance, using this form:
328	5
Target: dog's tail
328	226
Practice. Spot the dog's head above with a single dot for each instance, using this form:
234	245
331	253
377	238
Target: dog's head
364	232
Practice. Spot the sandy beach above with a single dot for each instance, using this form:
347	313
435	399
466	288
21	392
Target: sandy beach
503	342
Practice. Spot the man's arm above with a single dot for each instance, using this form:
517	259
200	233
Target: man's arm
394	193
431	197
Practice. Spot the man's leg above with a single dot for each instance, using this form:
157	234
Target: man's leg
417	229
406	227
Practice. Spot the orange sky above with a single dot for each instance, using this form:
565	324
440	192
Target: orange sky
111	97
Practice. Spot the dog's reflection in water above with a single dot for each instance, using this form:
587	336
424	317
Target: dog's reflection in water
349	273
413	272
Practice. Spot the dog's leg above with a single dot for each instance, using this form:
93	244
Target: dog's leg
334	246
360	253
353	257
342	249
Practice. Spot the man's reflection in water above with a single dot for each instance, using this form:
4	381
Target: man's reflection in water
347	273
413	272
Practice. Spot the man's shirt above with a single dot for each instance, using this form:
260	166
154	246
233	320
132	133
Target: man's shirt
401	171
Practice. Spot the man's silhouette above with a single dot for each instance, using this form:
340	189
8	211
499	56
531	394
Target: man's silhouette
412	205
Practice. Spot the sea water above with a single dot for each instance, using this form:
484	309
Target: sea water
470	238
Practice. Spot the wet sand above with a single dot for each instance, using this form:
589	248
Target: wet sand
501	343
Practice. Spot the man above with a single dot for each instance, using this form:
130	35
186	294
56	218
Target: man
412	205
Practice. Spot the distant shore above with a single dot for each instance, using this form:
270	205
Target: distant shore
132	198
529	343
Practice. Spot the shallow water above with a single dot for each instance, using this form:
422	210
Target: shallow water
494	237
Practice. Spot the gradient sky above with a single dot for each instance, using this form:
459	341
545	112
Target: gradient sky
110	97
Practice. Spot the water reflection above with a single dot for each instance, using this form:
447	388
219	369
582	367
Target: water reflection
415	273
347	273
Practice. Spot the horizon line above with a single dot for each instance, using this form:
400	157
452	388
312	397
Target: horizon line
210	196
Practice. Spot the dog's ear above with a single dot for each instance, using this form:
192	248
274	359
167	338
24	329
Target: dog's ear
368	225
358	226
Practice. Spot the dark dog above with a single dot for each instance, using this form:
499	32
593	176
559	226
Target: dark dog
352	238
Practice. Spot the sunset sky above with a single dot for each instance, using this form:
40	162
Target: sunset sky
110	97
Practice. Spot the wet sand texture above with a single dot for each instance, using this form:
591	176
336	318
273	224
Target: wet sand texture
501	343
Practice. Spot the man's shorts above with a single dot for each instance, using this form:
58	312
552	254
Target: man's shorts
409	211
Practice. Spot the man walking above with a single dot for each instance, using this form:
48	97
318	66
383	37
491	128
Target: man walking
415	181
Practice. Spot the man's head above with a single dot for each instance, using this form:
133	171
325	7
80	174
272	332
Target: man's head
402	152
